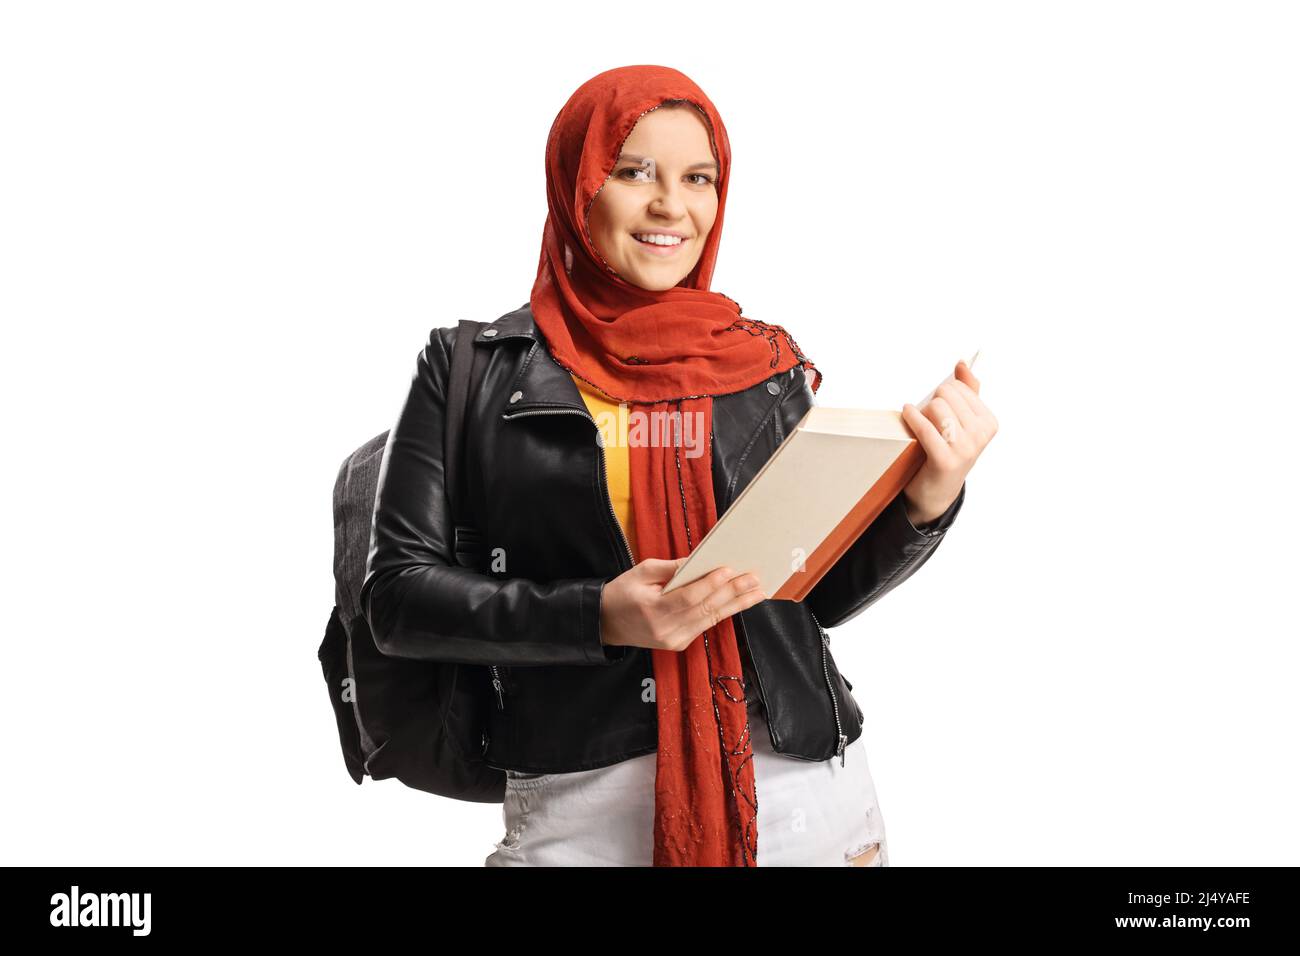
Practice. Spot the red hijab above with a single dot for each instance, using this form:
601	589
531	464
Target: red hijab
670	352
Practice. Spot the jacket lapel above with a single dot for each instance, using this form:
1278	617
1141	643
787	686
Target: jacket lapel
541	383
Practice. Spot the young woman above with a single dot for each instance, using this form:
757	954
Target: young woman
635	727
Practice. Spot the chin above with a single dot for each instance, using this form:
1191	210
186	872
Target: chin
658	284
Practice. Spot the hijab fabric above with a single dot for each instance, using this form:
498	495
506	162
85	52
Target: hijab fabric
668	352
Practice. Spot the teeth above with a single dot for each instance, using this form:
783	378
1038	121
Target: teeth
658	240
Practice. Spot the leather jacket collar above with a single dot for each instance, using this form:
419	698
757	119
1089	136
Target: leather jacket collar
542	382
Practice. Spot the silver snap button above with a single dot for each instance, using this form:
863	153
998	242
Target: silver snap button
773	387
490	332
515	397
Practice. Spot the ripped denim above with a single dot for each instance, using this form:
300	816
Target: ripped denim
810	813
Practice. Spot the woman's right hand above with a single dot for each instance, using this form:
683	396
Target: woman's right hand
635	613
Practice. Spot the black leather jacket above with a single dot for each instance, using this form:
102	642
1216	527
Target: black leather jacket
563	701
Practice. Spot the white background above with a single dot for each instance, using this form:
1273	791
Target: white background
227	229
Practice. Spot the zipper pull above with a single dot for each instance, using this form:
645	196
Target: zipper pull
843	740
496	683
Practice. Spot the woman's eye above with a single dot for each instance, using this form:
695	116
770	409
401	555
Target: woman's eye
701	179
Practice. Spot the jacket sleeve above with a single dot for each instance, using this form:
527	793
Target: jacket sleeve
418	601
890	551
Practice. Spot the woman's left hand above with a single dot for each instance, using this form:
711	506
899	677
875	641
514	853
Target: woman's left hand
953	427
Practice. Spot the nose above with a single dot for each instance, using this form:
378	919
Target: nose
668	201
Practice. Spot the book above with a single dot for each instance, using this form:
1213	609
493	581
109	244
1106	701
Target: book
827	481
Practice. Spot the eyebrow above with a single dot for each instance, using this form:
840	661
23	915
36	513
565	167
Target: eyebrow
641	159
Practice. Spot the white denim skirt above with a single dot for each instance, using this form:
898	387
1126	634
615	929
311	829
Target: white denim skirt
810	812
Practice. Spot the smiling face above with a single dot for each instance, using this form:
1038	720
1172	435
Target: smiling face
664	184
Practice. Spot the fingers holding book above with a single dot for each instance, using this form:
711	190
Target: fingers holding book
636	612
954	426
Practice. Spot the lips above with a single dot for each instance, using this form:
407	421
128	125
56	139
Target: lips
662	252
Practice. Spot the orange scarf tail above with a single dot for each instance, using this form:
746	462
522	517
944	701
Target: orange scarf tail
706	800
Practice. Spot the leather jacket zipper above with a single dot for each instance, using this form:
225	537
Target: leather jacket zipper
496	683
841	737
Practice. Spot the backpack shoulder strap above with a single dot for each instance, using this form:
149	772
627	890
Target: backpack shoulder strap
465	362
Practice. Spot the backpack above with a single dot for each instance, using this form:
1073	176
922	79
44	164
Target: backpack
419	721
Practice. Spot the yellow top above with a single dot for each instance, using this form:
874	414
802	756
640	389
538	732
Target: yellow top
613	427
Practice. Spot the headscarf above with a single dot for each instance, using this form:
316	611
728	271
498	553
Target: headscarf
668	352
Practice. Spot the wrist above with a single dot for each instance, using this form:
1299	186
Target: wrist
922	514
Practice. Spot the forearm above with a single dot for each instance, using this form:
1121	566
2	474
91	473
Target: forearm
454	614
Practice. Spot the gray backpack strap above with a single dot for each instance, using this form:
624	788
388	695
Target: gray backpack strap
354	503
